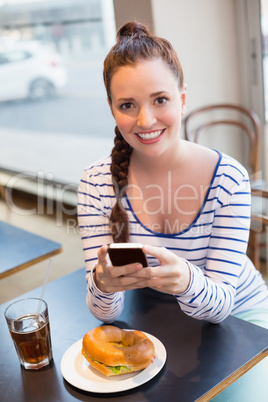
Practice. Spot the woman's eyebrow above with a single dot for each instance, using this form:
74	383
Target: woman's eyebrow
158	93
154	94
125	100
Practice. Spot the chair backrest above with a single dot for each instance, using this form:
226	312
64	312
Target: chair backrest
245	119
259	222
261	217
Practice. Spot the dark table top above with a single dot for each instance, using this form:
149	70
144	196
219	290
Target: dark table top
20	249
200	356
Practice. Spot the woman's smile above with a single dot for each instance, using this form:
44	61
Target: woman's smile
150	137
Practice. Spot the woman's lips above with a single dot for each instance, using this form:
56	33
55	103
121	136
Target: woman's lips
151	137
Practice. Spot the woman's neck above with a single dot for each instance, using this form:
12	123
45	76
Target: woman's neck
169	161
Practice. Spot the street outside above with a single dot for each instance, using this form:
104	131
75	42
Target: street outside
80	108
63	134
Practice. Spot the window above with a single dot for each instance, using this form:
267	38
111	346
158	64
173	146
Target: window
264	30
54	116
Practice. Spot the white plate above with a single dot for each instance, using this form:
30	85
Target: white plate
78	372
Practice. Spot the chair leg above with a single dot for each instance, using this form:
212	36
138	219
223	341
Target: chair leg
254	248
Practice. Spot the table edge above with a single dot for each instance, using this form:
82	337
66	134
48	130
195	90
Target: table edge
30	263
233	377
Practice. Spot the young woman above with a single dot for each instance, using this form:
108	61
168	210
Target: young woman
189	205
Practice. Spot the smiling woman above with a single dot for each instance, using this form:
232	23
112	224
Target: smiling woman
195	227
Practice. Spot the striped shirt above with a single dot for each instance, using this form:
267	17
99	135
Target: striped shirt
223	279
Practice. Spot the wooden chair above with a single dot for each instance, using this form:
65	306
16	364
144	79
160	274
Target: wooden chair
200	120
259	222
204	118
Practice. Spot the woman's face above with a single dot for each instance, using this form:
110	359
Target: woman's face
147	106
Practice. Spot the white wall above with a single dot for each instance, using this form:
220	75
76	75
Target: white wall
139	10
205	38
204	34
211	39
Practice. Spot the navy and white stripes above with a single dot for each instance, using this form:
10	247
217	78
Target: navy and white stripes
223	282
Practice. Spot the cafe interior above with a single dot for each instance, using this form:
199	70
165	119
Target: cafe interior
61	124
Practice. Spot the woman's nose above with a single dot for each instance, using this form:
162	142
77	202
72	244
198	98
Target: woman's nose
146	118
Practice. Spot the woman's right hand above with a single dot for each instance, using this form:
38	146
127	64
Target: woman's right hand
110	279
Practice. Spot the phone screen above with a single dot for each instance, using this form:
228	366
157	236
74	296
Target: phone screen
127	253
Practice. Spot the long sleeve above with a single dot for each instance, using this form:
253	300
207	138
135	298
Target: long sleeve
95	199
212	291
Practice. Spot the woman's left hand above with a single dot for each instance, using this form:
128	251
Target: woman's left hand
172	276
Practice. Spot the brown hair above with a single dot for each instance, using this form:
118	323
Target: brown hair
134	43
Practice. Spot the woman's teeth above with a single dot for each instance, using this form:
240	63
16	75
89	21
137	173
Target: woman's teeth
150	136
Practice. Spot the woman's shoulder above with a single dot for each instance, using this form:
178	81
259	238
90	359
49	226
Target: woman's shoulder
220	160
232	166
201	161
99	164
102	164
199	154
98	171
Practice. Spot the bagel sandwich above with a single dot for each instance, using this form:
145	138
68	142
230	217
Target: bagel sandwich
113	351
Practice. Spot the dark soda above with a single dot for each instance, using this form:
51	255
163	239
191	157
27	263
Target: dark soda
31	336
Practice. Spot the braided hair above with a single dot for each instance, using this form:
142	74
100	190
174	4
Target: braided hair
134	43
119	168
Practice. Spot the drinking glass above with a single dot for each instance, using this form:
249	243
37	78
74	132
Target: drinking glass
28	324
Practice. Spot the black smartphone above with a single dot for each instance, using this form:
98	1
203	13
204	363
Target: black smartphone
127	253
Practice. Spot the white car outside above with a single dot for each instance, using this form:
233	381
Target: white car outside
30	70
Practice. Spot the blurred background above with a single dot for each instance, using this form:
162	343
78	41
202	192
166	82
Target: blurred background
51	56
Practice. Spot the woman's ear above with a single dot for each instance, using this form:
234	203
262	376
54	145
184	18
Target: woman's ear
183	100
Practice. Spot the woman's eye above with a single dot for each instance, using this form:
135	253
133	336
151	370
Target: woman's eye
126	106
161	100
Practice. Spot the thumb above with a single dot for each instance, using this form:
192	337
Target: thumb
102	253
161	253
